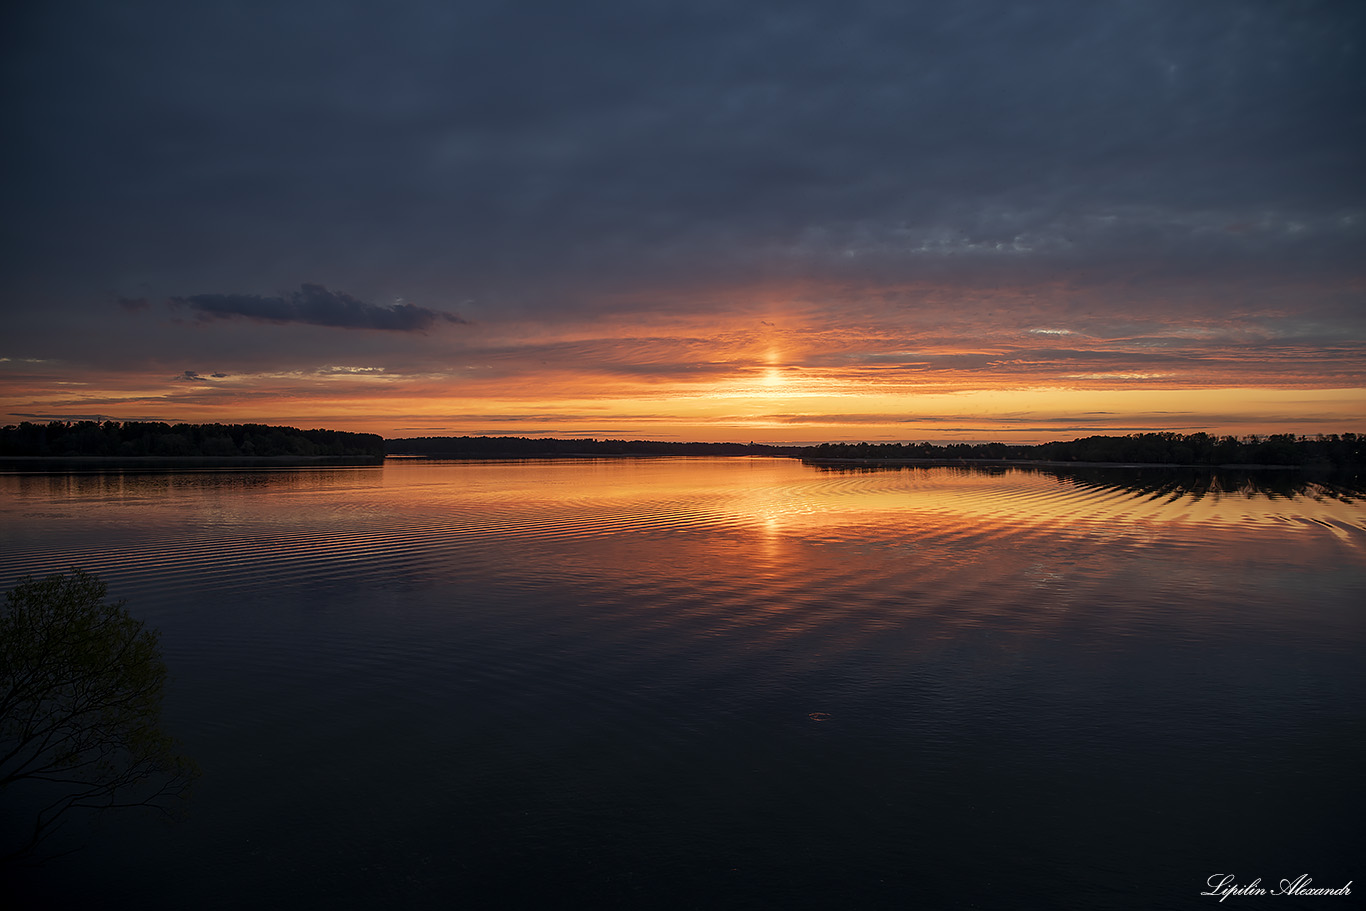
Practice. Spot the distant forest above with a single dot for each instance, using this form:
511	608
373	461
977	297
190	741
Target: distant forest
133	439
1331	452
521	447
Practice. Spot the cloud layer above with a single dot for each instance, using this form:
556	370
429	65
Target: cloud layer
629	200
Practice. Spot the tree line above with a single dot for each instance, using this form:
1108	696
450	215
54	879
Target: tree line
136	438
524	448
131	439
1333	451
1330	451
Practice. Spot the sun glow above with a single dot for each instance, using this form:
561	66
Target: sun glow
766	378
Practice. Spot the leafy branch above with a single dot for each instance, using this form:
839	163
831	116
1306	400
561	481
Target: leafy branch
81	684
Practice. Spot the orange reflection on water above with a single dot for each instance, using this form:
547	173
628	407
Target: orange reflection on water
783	550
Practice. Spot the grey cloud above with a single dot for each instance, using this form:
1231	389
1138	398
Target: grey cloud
510	151
954	168
315	305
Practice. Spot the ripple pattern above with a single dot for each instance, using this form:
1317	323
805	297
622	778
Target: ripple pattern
674	661
217	530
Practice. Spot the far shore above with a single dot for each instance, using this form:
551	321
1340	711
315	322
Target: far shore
185	461
164	461
926	463
932	463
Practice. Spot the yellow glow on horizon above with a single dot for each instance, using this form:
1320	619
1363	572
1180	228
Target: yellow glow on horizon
769	373
771	403
763	414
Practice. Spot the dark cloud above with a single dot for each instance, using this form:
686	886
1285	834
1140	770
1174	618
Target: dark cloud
536	154
315	305
1138	188
193	376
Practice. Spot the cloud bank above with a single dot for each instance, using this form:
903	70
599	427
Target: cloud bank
645	209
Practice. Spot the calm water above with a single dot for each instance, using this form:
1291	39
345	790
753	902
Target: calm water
726	683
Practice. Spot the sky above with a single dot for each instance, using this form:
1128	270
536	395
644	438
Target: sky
779	222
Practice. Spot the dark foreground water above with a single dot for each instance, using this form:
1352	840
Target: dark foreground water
726	683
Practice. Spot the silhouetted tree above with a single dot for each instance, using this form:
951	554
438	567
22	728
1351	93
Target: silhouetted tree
133	439
81	685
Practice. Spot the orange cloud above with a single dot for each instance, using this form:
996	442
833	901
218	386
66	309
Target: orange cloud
773	363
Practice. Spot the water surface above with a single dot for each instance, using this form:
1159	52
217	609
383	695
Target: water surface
726	683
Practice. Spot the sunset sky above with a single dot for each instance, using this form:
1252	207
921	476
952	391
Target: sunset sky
779	222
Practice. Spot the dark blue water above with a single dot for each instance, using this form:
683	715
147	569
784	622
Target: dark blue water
725	683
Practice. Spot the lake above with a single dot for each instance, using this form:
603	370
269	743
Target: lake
748	683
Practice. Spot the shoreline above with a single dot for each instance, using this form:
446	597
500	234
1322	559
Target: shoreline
933	463
40	463
161	461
